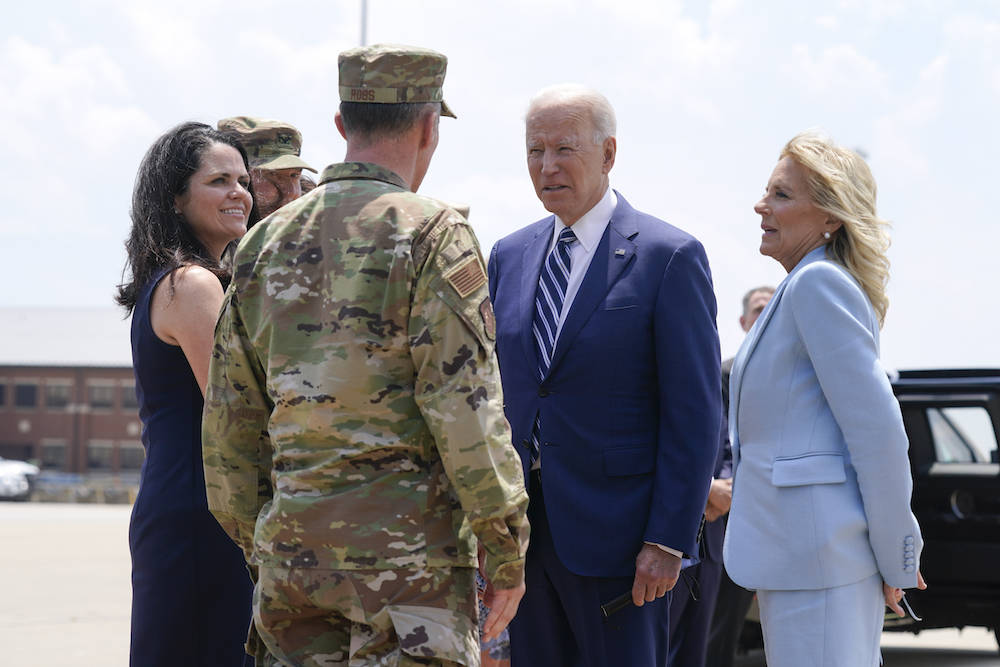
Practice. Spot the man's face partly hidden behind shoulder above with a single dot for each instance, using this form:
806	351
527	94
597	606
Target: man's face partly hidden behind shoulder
755	306
569	171
273	188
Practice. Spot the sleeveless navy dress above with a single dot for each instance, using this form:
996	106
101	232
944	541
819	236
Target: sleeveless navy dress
191	592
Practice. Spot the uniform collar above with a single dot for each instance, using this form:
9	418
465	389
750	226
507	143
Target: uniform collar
361	170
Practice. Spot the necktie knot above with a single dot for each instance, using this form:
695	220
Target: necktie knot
566	236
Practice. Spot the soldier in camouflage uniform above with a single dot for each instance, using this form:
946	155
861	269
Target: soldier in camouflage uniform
273	148
354	439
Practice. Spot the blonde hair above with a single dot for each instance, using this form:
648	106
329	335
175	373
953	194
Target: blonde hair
841	184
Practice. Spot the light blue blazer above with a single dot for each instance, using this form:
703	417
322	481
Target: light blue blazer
821	492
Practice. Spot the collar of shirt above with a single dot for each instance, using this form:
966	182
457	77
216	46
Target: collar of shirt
361	170
590	228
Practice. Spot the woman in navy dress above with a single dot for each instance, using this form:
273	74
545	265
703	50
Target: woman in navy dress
191	592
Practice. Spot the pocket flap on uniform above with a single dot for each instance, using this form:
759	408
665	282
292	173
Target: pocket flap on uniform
430	632
809	469
629	461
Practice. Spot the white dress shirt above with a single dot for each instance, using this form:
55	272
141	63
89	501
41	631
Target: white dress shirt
589	230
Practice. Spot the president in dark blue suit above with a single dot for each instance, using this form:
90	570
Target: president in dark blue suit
609	358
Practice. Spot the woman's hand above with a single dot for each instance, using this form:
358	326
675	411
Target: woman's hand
894	595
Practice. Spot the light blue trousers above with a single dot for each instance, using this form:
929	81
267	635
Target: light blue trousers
829	627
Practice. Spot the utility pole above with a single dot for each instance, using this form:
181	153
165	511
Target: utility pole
364	22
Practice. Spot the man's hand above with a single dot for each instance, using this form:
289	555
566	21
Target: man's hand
503	604
656	572
720	497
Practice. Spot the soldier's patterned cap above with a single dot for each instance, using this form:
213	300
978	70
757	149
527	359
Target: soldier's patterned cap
391	74
270	144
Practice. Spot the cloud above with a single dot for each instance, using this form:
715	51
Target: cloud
882	10
724	9
899	134
828	21
978	42
169	35
666	32
298	64
49	98
840	74
68	114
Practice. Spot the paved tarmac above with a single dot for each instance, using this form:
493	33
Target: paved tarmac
64	570
65	596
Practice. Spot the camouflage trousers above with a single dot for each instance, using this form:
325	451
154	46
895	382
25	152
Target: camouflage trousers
349	618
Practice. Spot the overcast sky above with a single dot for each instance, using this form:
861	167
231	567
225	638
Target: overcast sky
706	95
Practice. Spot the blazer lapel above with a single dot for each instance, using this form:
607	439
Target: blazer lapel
746	349
615	251
739	364
750	342
531	268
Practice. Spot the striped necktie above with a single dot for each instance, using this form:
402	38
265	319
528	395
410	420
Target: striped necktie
549	298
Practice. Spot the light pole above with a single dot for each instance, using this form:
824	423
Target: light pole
364	22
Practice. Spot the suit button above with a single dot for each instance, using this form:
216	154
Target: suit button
908	540
543	392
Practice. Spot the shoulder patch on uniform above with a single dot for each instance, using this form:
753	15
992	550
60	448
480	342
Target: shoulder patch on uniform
489	319
467	277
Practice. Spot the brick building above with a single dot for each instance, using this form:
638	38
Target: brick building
67	393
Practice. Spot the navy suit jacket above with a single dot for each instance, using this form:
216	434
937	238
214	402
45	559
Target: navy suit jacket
630	407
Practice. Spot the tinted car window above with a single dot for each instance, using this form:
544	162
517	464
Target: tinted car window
963	434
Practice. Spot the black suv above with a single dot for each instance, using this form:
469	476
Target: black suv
952	419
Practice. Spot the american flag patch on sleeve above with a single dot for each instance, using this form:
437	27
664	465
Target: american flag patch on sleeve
467	277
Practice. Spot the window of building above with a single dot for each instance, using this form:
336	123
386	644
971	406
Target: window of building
26	395
57	395
54	453
101	396
129	400
3	392
99	455
17	451
130	455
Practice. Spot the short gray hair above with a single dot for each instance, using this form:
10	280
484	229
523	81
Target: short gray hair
749	295
602	114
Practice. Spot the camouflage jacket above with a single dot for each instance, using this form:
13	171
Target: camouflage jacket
353	415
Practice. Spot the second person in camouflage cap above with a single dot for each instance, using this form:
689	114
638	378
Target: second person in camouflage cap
273	148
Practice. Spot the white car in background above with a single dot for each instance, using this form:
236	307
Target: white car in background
17	478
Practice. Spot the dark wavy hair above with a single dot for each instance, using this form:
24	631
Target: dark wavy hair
160	236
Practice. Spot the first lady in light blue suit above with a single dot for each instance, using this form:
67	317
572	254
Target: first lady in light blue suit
820	524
